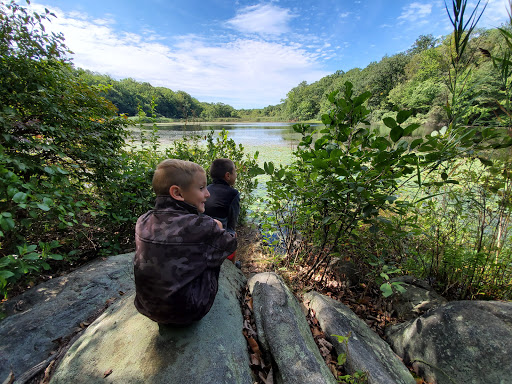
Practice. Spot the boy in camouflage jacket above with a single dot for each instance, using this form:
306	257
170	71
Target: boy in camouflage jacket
178	251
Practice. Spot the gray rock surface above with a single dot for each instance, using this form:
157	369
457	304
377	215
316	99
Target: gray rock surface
367	352
460	342
137	350
417	299
54	309
284	332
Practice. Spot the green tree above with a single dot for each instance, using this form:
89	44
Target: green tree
422	43
57	138
383	76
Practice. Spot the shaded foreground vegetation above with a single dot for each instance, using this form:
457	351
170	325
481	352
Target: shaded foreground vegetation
436	206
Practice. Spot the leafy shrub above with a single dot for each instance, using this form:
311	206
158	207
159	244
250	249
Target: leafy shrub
57	137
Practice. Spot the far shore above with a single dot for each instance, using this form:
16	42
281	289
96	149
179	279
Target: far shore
222	123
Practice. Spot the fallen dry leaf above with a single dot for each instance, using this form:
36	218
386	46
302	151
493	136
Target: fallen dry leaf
110	301
255	360
10	378
316	332
324	352
47	373
254	345
107	373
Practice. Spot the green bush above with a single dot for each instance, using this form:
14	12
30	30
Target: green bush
57	137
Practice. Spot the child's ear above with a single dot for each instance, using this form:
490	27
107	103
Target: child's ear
227	176
175	193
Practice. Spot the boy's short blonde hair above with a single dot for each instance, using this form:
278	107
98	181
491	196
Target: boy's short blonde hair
174	172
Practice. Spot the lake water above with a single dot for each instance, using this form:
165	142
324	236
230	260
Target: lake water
250	135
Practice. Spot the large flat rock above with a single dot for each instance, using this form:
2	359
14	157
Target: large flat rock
460	342
366	352
136	350
54	309
284	332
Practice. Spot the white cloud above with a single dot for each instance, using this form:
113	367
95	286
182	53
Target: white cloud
495	13
245	73
264	19
415	11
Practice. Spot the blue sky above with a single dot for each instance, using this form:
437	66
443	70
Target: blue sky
247	54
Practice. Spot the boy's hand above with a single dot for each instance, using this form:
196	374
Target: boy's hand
218	223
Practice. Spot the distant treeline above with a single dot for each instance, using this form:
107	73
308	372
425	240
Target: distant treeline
415	79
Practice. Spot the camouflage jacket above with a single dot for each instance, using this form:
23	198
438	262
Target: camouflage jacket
177	262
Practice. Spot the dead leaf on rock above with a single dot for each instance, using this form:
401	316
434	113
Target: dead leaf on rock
47	373
324	352
267	380
107	373
254	345
255	360
316	332
325	343
10	378
109	302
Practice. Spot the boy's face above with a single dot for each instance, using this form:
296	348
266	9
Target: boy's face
231	177
196	193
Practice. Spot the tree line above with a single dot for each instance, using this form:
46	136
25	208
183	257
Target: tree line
415	79
131	96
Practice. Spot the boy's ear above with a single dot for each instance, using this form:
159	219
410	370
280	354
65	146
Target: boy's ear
227	176
175	193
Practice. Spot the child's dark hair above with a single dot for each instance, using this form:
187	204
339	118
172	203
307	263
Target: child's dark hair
219	168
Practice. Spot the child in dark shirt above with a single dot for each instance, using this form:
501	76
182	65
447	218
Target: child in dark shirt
178	251
224	201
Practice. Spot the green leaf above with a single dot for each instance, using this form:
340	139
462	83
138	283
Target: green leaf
396	133
398	286
6	274
389	122
31	248
44	207
49	170
326	119
415	143
31	256
410	129
321	142
381	143
19	197
386	289
402	116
